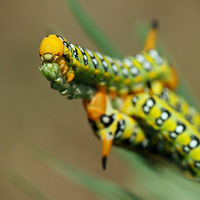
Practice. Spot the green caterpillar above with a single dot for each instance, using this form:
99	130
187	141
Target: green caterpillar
177	103
118	76
183	137
106	84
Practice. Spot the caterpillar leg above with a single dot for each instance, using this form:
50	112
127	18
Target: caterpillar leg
111	126
150	42
65	70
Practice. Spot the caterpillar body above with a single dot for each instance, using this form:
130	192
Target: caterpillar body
177	103
117	75
182	136
139	121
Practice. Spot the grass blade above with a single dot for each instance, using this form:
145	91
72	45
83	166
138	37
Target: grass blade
164	181
92	29
99	186
25	186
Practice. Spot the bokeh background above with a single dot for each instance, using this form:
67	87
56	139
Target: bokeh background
32	112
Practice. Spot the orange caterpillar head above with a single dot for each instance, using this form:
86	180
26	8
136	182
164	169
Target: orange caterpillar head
52	47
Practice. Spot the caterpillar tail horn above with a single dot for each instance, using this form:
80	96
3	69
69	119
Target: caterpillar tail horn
106	145
150	42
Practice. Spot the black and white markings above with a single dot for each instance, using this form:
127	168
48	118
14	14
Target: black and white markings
197	164
148	105
134	100
123	69
130	141
61	38
180	128
104	63
134	71
164	94
165	114
107	120
64	42
74	51
125	72
145	63
85	59
120	128
156	56
94	60
113	65
192	144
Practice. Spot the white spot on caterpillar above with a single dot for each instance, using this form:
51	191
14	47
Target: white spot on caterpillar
173	135
134	100
128	62
158	60
149	103
159	121
179	129
186	149
106	119
197	164
147	65
134	71
193	143
153	53
146	109
109	59
73	47
99	55
81	49
119	63
90	53
84	57
61	38
164	116
105	63
125	71
94	61
140	58
115	68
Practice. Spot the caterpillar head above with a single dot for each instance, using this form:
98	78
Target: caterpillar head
52	47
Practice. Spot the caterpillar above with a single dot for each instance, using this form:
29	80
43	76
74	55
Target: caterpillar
118	76
146	130
106	86
177	103
113	126
183	137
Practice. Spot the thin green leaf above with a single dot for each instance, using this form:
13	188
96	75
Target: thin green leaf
163	182
99	186
25	186
51	28
92	29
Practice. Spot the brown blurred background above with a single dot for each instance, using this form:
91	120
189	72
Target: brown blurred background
32	112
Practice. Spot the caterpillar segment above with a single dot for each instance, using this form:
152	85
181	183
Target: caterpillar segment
105	84
119	76
182	137
176	102
113	127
